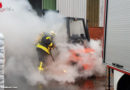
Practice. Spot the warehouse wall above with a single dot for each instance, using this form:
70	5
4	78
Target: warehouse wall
93	13
96	33
78	8
2	60
101	13
49	4
36	4
72	8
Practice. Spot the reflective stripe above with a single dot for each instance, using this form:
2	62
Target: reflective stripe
40	68
43	48
48	37
51	44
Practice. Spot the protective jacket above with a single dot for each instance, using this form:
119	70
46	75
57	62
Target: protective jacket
45	42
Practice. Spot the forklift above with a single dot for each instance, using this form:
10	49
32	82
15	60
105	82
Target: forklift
77	36
77	32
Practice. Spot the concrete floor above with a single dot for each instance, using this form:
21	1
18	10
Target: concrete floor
95	83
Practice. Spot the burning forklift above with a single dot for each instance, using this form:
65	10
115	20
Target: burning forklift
74	35
77	32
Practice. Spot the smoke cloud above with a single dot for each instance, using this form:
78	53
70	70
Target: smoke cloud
20	25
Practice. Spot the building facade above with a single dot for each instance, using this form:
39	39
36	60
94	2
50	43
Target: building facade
91	10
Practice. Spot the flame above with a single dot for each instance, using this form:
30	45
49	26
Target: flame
64	71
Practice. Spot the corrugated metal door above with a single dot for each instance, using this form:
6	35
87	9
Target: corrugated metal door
118	34
72	8
2	60
49	4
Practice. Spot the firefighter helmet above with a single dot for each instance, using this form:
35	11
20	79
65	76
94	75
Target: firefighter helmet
52	33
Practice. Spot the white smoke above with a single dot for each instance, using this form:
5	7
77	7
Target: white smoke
62	71
21	26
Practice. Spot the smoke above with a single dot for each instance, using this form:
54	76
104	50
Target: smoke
61	70
21	26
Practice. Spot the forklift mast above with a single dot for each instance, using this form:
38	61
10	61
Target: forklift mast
84	35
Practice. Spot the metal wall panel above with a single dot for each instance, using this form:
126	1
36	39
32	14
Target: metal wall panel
101	13
2	60
118	34
72	8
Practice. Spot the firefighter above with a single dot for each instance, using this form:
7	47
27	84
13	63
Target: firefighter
44	45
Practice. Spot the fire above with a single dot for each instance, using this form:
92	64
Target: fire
64	71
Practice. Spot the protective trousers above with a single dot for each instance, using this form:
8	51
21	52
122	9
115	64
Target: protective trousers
42	58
